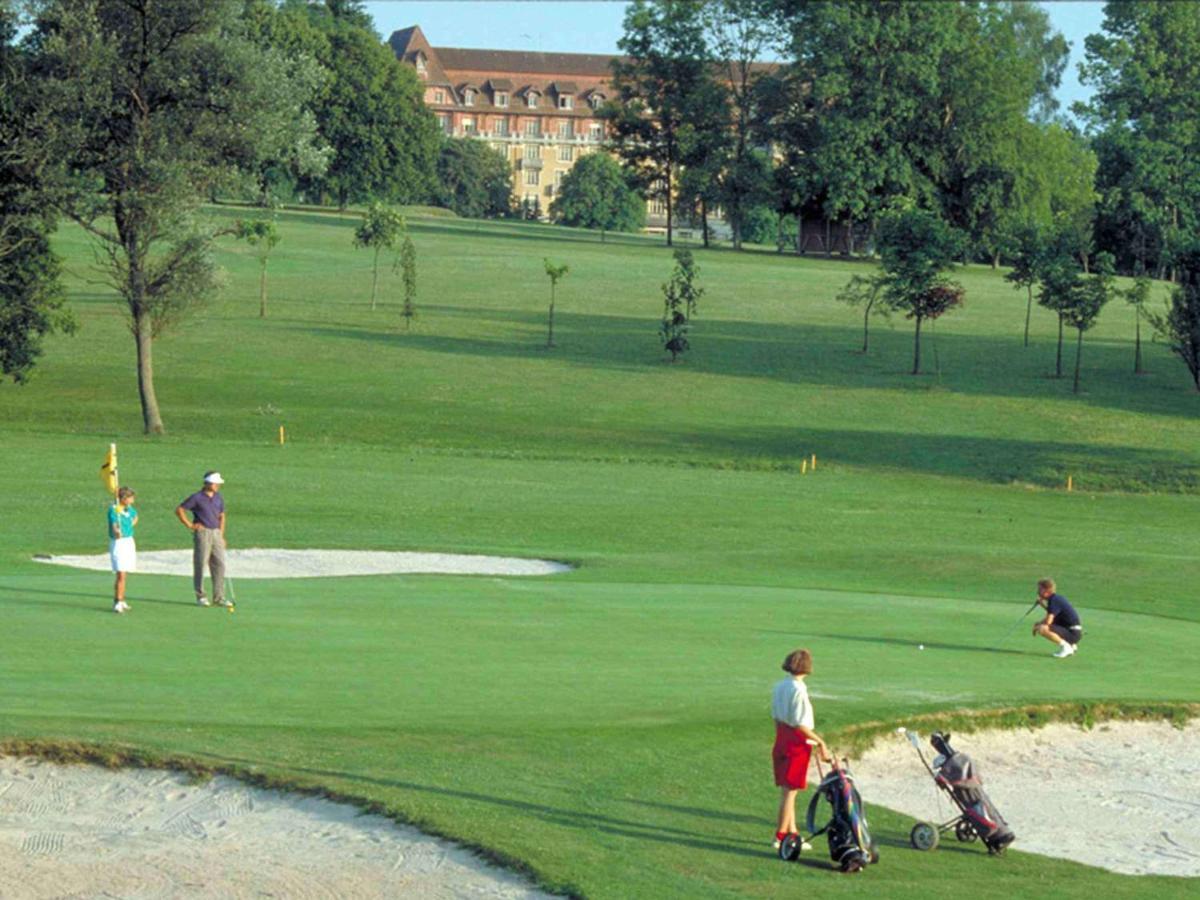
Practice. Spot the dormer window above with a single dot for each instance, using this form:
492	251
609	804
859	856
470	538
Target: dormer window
422	69
566	101
596	100
531	99
502	98
469	97
439	96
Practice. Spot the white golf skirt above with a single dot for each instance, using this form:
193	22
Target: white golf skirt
122	553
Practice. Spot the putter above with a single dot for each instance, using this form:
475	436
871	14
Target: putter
232	594
1014	625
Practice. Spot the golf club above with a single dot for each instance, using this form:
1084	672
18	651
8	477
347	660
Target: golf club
1014	625
232	594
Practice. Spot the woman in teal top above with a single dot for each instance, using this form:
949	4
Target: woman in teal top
122	551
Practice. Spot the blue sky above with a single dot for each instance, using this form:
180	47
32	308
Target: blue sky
589	26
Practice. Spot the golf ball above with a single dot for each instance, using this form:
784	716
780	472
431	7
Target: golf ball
920	646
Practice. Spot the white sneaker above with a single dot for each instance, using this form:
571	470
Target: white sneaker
805	845
124	606
202	601
1064	651
118	607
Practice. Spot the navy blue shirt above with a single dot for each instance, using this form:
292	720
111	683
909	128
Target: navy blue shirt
205	510
1063	612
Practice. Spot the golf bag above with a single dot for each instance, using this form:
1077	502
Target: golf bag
850	844
958	775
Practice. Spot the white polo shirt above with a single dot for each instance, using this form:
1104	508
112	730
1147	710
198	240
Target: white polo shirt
790	704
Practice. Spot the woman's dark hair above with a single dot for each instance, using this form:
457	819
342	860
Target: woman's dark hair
124	494
798	662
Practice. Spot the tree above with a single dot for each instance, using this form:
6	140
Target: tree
153	108
262	235
1084	304
555	273
1059	276
473	179
680	296
371	110
31	297
915	247
657	84
1137	295
407	261
866	291
1027	246
595	194
1179	325
380	227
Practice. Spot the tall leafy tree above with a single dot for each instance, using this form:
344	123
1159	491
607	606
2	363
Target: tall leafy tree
154	107
1026	250
473	179
1146	108
1179	325
1084	304
1060	280
596	194
662	86
31	299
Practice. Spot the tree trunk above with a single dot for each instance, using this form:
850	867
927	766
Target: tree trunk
849	236
866	322
1137	343
995	260
1058	358
917	349
151	420
735	224
550	333
670	208
1078	354
375	278
1028	312
828	238
262	290
1083	258
799	234
704	221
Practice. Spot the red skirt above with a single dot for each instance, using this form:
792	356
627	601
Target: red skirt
791	754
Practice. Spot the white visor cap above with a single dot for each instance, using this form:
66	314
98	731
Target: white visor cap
214	478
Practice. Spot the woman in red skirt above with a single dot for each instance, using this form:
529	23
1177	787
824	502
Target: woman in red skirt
793	715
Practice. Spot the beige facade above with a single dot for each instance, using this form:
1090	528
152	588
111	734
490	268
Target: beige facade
538	109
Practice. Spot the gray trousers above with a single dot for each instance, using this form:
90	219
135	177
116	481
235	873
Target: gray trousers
208	547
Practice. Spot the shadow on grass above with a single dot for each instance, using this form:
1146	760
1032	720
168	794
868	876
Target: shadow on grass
909	643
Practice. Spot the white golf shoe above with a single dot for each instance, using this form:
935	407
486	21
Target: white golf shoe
1064	651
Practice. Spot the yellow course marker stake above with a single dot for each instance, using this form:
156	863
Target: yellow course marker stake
1070	483
281	434
804	467
814	462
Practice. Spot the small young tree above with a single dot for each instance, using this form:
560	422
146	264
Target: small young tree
866	291
1027	244
262	235
1085	304
1137	295
915	247
1060	282
555	273
407	262
380	227
680	296
1179	326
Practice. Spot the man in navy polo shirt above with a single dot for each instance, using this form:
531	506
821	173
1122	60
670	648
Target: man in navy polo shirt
207	525
1061	625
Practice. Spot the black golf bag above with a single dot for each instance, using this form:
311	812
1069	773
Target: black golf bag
959	777
850	844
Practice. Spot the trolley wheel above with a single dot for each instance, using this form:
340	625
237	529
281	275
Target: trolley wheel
923	836
853	863
789	848
965	831
874	856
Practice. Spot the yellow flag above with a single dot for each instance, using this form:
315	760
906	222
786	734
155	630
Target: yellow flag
108	471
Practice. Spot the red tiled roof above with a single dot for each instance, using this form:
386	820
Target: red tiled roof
588	64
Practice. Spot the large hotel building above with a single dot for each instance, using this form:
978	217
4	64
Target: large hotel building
538	109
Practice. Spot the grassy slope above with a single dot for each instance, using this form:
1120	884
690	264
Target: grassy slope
620	744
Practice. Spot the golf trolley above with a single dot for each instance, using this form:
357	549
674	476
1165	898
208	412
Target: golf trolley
978	819
850	845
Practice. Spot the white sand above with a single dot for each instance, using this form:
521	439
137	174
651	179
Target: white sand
83	831
1124	796
261	562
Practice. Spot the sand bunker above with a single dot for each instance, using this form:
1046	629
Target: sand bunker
261	562
85	831
1124	796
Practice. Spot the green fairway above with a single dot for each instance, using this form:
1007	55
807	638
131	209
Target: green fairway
607	729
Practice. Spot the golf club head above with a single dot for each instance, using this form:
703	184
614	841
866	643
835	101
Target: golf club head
913	738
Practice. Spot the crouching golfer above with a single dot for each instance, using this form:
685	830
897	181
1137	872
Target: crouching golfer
207	525
1061	625
122	551
793	715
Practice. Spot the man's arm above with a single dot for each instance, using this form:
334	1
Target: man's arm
181	514
222	526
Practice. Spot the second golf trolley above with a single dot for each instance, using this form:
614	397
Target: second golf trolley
978	818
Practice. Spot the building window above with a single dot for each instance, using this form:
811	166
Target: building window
595	132
468	97
566	101
531	99
502	99
439	96
444	122
500	126
596	100
565	130
533	127
533	177
468	126
422	71
566	153
533	151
